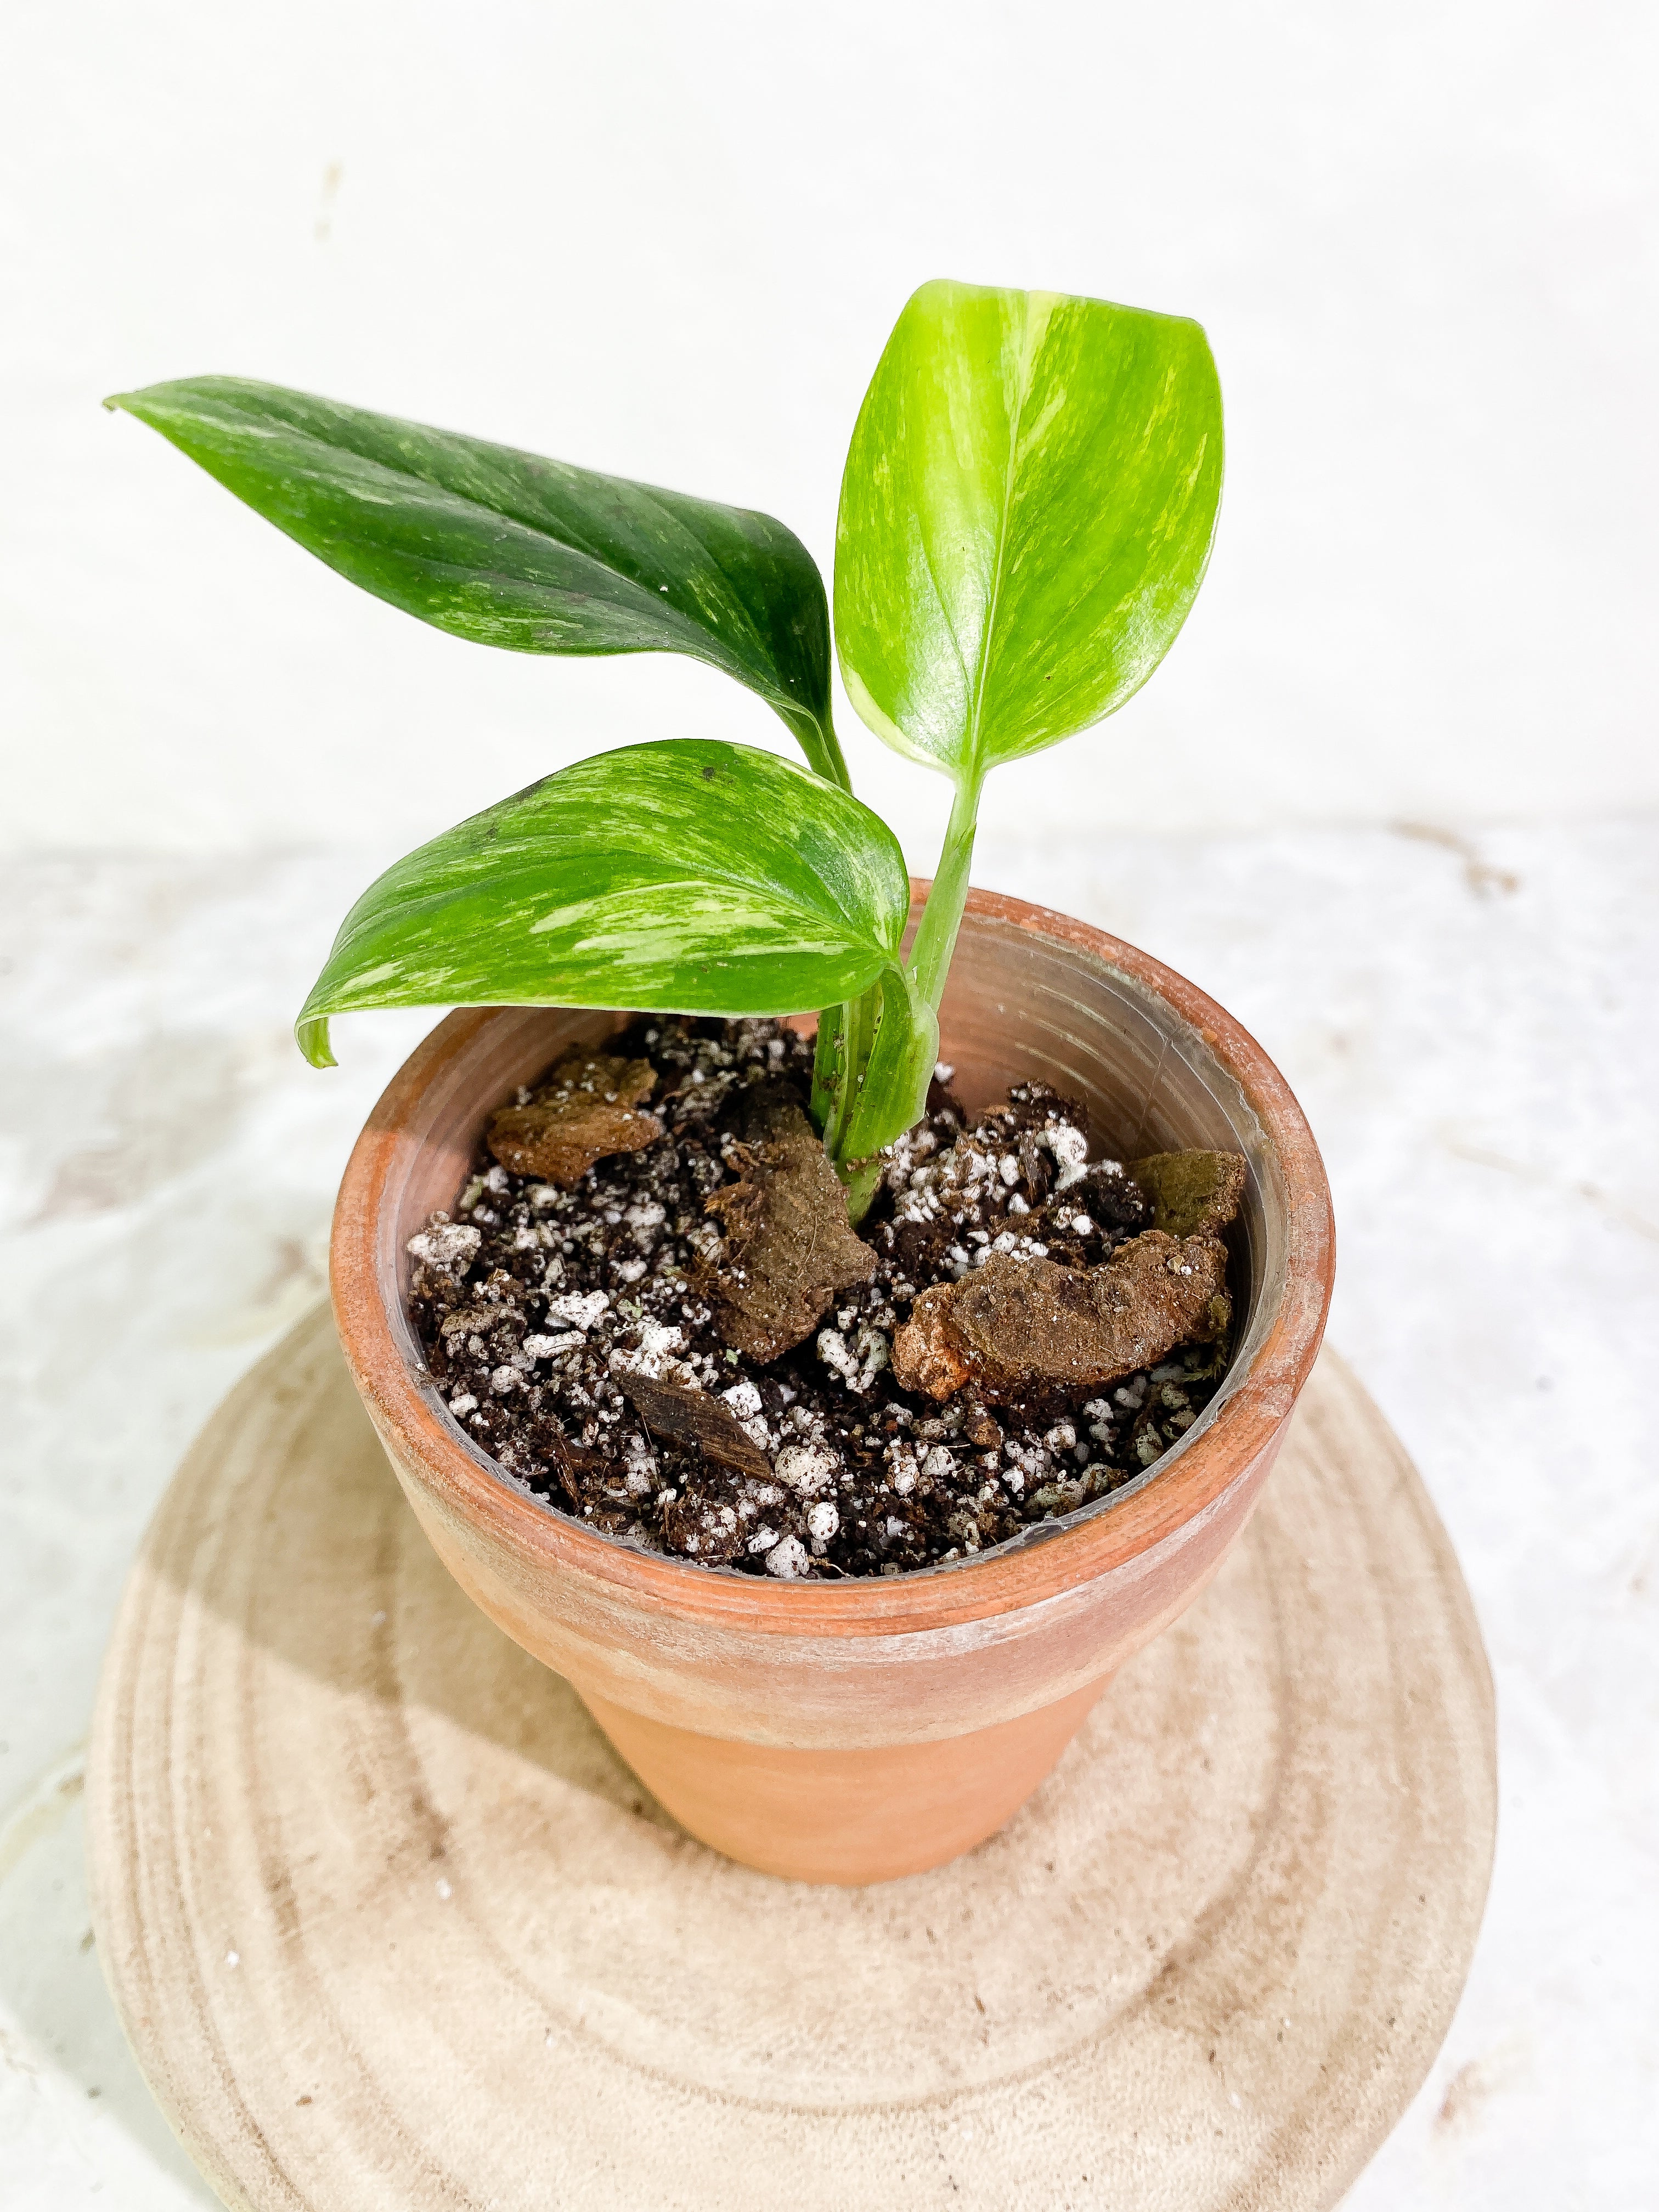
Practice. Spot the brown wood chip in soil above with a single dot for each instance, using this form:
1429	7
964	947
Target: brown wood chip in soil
576	1466
1191	1193
582	1112
1014	1321
789	1246
694	1419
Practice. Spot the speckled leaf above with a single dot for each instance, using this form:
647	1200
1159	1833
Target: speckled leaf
690	877
1026	517
508	549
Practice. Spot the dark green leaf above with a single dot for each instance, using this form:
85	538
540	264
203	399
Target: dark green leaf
688	878
1026	517
509	549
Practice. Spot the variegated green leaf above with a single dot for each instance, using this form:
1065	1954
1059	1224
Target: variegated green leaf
688	878
1025	519
509	549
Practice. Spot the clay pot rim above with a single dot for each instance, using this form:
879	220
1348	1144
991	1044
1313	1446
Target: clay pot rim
1014	1575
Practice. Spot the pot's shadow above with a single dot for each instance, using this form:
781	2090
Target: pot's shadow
329	1573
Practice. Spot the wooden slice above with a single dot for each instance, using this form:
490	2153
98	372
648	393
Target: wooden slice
391	1928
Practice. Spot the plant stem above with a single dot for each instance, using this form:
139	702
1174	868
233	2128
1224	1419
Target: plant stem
826	1075
862	1179
857	1032
836	1079
834	757
936	938
831	1090
821	746
847	1032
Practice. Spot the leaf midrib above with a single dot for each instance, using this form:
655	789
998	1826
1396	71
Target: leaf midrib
1031	344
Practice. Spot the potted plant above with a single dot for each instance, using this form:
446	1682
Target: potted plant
805	1393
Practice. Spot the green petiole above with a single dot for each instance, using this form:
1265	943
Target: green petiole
843	1071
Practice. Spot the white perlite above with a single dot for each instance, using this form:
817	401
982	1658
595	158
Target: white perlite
1070	1149
787	1560
858	1363
581	1309
449	1245
659	1336
901	1460
1023	1247
653	1355
807	1468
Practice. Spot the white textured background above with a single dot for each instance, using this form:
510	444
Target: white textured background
670	241
1394	798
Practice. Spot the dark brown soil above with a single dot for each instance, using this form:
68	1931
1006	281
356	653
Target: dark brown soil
604	1338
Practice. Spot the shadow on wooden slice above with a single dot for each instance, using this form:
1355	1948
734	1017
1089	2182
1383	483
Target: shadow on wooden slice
390	1927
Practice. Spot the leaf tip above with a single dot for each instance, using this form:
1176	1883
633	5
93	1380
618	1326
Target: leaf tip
311	1033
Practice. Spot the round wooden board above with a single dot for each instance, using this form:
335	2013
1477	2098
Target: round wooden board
391	1928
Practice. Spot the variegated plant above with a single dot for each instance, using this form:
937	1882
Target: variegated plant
1026	517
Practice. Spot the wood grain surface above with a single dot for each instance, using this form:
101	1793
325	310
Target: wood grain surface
391	1928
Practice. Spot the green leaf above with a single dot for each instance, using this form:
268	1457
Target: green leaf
1025	519
507	549
894	1092
688	876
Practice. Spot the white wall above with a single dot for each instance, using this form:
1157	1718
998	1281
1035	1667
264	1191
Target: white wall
670	240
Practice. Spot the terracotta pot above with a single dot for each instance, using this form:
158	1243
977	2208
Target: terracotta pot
850	1731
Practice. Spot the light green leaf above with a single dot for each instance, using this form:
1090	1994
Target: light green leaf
690	877
509	549
894	1092
1026	517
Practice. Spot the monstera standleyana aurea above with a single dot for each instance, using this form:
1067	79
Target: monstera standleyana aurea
1025	516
